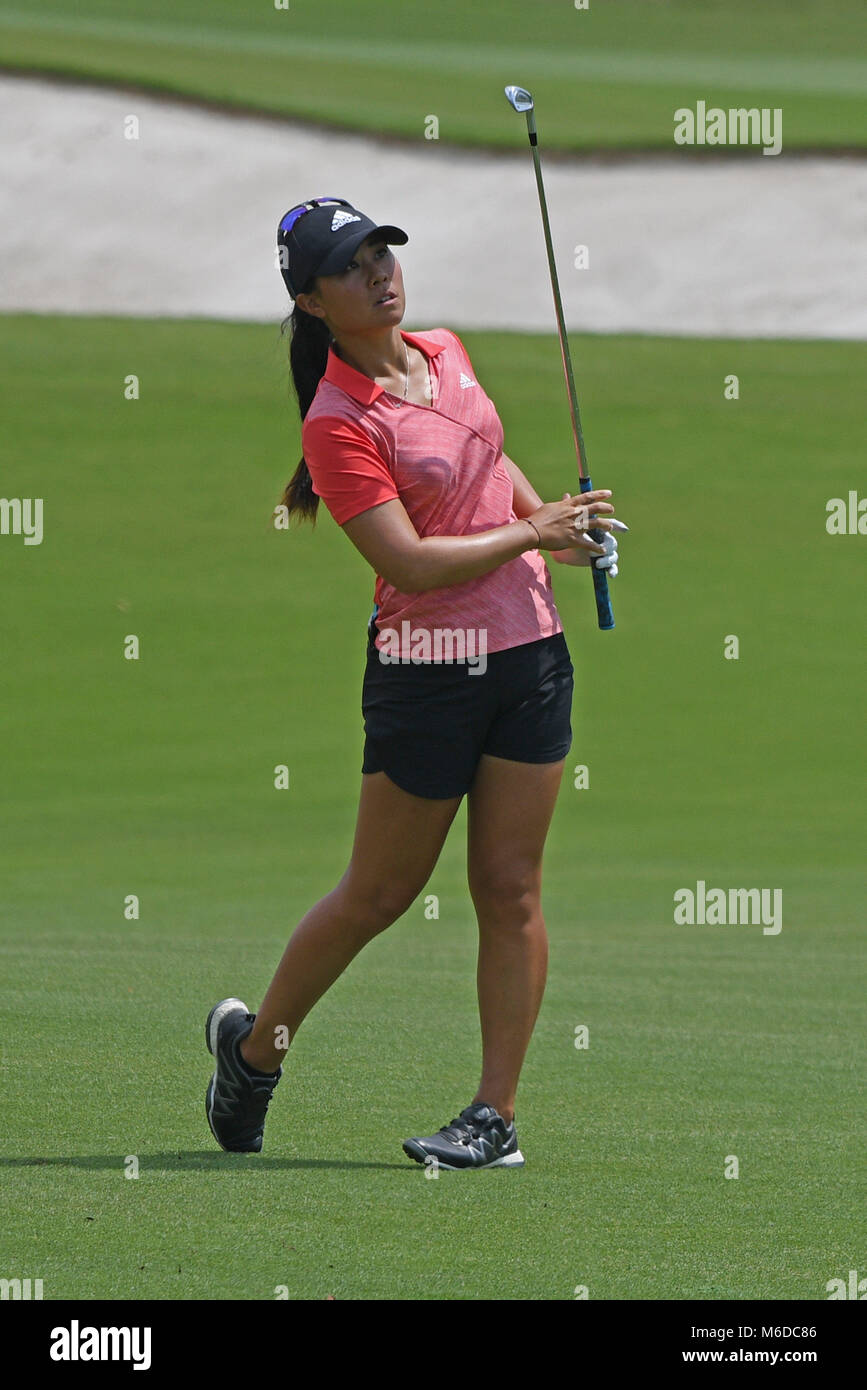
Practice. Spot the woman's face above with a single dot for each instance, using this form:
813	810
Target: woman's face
349	302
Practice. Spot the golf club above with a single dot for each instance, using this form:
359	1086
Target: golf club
521	100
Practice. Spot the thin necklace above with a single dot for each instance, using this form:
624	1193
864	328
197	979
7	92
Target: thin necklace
406	383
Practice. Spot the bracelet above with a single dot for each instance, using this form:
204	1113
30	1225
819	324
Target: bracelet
536	529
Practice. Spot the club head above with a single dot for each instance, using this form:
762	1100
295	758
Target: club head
520	98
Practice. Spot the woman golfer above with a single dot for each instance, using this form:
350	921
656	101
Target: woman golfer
468	683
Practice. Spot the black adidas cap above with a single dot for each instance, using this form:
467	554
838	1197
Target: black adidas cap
321	236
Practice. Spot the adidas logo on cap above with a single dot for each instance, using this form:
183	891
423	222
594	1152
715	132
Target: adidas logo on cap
340	219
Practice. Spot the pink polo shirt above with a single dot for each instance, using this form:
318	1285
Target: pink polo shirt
444	462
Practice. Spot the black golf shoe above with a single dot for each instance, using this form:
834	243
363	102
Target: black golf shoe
478	1138
237	1098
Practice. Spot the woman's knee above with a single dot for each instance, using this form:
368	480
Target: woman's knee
508	893
373	906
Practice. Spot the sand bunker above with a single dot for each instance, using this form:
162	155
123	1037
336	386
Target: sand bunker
181	222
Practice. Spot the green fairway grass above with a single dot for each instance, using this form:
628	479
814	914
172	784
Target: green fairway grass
156	778
609	77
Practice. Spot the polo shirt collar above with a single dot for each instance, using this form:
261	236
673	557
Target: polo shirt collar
362	387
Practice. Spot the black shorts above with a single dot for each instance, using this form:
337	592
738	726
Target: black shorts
428	724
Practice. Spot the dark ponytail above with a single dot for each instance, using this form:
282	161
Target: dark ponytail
308	358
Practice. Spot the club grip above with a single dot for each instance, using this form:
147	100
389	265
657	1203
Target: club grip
600	578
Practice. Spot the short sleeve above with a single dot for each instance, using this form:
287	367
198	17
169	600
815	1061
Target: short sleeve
348	472
464	354
459	343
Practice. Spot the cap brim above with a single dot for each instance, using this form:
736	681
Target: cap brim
339	258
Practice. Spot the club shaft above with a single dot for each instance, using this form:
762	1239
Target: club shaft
600	578
577	432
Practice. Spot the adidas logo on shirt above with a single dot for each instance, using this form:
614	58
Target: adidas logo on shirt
466	381
341	218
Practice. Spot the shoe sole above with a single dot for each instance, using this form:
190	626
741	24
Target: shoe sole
413	1150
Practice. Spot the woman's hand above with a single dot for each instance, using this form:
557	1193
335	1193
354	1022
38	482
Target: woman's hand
607	562
563	529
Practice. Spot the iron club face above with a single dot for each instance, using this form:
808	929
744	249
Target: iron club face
519	98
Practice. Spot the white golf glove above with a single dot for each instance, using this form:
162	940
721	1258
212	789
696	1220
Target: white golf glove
608	561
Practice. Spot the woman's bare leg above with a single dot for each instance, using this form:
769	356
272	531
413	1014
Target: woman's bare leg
510	806
398	838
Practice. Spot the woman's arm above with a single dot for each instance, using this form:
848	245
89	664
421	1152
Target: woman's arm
527	500
386	537
390	543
